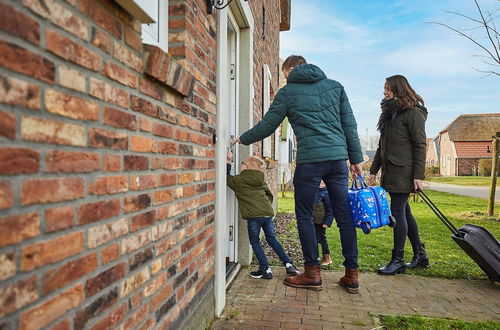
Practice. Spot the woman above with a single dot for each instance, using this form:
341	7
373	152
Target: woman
401	157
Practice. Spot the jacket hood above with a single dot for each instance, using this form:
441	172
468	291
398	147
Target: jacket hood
252	178
306	73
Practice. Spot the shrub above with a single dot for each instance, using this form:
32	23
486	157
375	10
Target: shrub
431	171
485	167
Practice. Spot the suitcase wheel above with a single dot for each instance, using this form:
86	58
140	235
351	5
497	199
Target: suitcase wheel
366	228
392	221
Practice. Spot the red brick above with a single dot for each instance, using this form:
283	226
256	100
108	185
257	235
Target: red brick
167	147
71	162
110	253
136	203
97	211
109	185
143	106
63	325
135	163
101	40
71	271
105	233
120	119
172	163
72	79
133	39
146	124
35	191
143	182
47	252
163	130
113	319
70	106
99	138
18	24
142	144
16	228
142	220
104	279
51	131
136	318
21	60
59	15
127	57
19	161
151	88
51	309
95	309
19	92
108	93
101	17
135	300
162	197
6	195
188	191
120	74
7	125
167	115
112	163
185	178
59	218
167	179
71	51
161	296
18	295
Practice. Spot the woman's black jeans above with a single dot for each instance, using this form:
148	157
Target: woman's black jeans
405	222
306	185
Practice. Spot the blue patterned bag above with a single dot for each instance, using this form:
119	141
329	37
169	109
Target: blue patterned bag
369	206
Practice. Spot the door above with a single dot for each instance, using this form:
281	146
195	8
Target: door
232	102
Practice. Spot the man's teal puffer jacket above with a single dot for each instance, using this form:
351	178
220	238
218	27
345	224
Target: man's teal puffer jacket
320	115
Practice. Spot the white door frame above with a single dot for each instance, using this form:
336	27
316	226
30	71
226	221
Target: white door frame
243	16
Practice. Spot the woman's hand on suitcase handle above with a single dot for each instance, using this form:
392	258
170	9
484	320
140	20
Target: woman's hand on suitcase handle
417	185
371	179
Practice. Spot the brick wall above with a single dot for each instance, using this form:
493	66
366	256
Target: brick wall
106	166
267	45
465	166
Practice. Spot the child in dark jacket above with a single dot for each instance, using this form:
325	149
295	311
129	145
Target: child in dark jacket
323	218
254	201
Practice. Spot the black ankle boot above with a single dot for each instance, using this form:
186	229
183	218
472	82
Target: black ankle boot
419	258
396	265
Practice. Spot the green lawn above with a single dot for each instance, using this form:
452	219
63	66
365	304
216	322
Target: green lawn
463	180
446	258
418	322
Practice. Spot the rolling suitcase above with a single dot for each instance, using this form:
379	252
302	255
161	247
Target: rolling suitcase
369	206
476	241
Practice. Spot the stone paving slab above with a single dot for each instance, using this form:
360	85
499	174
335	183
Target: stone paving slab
256	304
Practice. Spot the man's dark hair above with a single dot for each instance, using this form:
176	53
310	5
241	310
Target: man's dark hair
292	61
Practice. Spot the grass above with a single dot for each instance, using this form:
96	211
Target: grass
446	258
462	180
418	322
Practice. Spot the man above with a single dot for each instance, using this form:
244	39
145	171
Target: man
326	131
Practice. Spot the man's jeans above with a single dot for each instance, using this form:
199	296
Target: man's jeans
306	185
266	223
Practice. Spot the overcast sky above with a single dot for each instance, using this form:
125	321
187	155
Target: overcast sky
361	42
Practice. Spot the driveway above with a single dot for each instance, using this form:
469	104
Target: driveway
471	191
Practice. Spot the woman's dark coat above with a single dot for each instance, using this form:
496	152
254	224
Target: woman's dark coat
402	148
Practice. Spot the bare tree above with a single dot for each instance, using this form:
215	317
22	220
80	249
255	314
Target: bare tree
488	39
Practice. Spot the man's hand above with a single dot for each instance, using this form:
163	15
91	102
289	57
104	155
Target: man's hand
371	179
356	170
325	226
234	141
417	184
229	158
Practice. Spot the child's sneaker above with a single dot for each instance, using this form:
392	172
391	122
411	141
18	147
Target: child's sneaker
291	269
326	260
262	273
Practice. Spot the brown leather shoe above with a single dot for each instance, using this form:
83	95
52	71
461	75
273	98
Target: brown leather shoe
350	280
310	279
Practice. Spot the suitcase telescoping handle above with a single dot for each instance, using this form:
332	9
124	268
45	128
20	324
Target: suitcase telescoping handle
439	214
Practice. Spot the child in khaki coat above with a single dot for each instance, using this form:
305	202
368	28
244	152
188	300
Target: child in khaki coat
254	200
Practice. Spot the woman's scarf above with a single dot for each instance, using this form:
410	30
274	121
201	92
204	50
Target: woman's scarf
390	108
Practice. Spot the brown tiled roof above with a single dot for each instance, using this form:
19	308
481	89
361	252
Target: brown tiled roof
474	127
482	149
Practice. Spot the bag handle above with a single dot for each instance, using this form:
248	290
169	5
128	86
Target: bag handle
358	180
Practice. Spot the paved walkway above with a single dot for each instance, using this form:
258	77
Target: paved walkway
257	304
472	191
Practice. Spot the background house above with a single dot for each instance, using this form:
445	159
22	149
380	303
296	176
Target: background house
114	129
466	140
432	155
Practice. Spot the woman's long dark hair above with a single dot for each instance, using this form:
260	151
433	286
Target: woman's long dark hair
401	89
